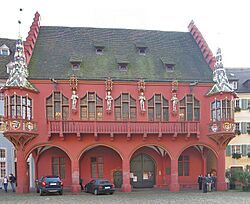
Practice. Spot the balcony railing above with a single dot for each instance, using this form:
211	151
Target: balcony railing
18	125
222	126
118	127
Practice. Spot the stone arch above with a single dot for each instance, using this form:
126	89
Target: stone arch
195	144
161	169
147	145
46	144
39	158
99	144
102	160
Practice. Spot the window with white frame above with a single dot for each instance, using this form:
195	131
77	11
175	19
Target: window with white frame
4	51
236	149
237	103
2	169
248	149
2	154
234	84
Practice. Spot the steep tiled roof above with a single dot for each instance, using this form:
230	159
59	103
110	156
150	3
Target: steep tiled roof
4	60
55	46
241	75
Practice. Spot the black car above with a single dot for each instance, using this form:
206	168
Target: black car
49	184
98	186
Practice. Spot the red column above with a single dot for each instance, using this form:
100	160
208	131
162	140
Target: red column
126	187
204	165
221	184
174	184
75	187
22	173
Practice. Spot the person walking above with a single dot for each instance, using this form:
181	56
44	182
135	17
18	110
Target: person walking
80	182
200	181
12	180
5	184
205	184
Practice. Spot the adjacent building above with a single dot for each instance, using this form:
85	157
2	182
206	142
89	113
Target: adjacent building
142	108
7	150
238	150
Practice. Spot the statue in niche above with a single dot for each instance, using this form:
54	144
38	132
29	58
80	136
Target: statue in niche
175	101
109	99
142	99
74	99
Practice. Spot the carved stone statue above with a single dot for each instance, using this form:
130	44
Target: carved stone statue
109	99
175	101
74	99
142	99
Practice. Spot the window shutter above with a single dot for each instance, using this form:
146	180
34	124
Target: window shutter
244	104
228	150
244	150
243	127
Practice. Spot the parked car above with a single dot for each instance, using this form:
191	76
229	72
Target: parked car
99	186
49	184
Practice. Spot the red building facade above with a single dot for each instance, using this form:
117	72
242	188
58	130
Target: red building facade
141	130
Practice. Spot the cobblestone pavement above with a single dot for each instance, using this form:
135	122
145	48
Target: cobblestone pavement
136	197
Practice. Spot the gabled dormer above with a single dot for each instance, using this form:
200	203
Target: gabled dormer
168	64
141	48
122	62
4	50
99	48
75	62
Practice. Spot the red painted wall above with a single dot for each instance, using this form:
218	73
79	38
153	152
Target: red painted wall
44	165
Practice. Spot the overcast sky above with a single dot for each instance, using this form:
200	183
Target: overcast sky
223	23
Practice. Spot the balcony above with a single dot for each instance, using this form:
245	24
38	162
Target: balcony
118	127
222	131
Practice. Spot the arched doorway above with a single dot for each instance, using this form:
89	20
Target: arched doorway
142	167
194	161
101	162
49	160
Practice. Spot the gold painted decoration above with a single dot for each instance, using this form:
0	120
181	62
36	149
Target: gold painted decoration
29	126
15	124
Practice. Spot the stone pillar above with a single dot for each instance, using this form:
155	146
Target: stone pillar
221	184
75	187
174	184
22	173
126	187
204	165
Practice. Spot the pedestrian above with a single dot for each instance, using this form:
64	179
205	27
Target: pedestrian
80	182
12	180
5	183
213	178
200	181
205	184
209	183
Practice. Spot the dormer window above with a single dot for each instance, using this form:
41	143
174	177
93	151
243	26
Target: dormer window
4	50
75	66
122	62
99	48
169	67
142	50
75	62
168	64
99	51
141	47
123	67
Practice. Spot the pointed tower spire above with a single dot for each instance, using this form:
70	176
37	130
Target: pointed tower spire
19	72
220	76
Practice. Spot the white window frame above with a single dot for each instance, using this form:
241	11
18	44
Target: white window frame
233	147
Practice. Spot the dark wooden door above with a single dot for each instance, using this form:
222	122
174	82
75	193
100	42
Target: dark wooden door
142	168
117	176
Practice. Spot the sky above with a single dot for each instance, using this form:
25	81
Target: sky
223	23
